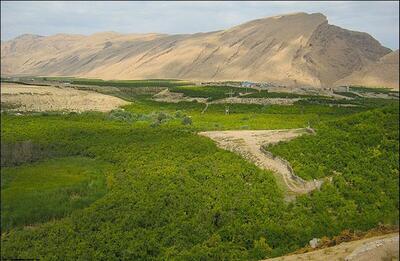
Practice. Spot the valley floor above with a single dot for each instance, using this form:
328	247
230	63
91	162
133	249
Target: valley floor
139	183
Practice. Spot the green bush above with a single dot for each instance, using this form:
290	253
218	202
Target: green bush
161	116
187	120
179	114
122	115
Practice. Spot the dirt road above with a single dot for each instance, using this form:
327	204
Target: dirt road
16	97
248	144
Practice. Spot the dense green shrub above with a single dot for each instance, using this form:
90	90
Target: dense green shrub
122	115
161	117
341	145
177	196
187	120
210	92
268	94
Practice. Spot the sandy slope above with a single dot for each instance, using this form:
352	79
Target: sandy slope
371	249
384	72
294	49
46	98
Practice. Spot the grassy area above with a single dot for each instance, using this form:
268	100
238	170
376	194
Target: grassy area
348	94
123	83
243	116
211	92
100	82
42	191
371	89
369	103
267	94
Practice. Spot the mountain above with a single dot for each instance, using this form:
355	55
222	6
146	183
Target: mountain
293	49
383	73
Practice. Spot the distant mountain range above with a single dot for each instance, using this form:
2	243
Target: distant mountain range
295	49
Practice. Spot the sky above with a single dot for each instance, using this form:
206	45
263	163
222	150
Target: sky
378	18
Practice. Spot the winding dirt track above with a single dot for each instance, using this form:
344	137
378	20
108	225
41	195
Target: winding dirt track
248	143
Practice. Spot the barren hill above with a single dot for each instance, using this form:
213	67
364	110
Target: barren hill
294	49
383	73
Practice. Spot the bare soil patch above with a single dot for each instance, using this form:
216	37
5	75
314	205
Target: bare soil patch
46	98
371	249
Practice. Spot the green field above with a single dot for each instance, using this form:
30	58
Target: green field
210	92
268	94
140	184
38	192
371	89
115	83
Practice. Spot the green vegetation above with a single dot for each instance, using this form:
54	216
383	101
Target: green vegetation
268	94
118	83
210	92
348	94
353	144
131	83
359	102
371	89
174	195
253	116
42	191
124	89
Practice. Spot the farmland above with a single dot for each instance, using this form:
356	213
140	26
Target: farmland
141	184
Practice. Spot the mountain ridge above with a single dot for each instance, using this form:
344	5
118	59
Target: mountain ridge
294	49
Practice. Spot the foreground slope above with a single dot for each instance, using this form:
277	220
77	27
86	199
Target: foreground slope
384	72
294	49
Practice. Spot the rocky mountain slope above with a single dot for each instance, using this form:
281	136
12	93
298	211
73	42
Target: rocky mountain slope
383	73
294	49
